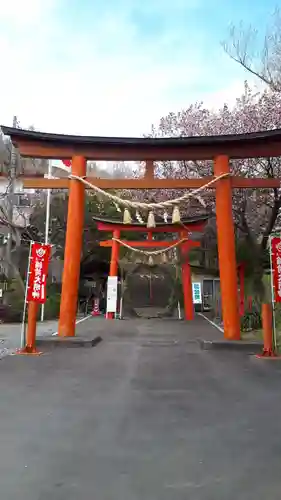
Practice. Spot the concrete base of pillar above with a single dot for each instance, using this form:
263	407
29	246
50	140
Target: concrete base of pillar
50	342
232	345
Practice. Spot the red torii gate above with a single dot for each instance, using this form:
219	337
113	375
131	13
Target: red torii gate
219	149
184	230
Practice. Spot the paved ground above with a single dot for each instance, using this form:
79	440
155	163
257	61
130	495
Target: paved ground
145	415
10	334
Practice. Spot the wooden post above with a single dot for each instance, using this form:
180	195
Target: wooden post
30	345
267	326
149	170
226	250
113	270
31	327
73	247
250	303
267	329
186	283
241	272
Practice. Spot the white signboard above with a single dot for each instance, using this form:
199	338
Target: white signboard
111	303
197	293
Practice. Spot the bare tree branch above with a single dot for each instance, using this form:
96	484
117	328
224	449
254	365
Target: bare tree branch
260	56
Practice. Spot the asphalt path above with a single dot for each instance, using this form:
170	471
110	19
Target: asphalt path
145	415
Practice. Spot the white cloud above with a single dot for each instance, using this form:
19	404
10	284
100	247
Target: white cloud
100	81
24	13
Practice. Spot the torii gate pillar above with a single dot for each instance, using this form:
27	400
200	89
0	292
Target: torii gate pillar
73	248
226	250
186	281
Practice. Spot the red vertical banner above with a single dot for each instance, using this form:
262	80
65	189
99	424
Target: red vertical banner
276	267
38	272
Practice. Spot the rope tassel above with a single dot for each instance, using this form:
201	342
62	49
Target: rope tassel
150	261
139	217
117	207
151	220
164	258
127	219
176	217
165	217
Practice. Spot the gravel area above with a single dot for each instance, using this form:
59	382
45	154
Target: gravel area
10	335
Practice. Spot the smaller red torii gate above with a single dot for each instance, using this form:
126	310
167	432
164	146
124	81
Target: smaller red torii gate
183	230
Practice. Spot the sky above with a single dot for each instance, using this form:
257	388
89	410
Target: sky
115	67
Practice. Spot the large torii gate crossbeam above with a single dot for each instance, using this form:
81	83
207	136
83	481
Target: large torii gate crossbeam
219	149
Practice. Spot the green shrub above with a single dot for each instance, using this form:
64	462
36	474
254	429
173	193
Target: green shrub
13	303
251	321
11	311
52	305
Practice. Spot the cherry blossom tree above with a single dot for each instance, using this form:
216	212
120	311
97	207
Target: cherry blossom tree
256	212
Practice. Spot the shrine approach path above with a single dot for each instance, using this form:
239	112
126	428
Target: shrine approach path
145	415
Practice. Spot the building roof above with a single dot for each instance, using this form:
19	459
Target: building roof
186	221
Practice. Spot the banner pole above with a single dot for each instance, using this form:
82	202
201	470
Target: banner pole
179	309
272	294
47	222
121	308
22	337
